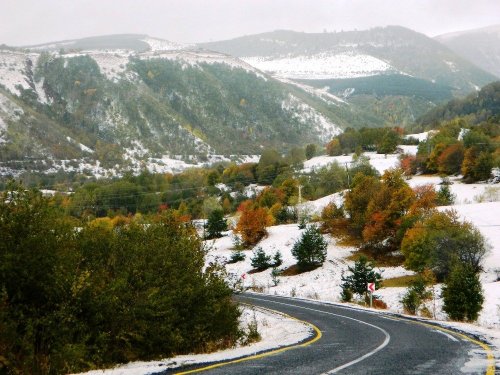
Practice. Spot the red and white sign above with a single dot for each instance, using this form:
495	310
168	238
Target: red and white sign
371	287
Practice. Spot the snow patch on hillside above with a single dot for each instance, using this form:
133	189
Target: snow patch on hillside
8	111
420	136
321	66
157	44
323	93
308	115
12	65
80	145
195	57
380	162
112	65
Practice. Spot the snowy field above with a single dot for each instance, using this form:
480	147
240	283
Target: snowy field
276	330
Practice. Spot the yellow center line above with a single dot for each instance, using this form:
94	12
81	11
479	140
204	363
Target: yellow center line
266	354
490	369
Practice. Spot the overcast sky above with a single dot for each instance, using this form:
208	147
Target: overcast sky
24	22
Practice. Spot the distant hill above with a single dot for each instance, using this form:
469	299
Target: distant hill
354	54
479	46
76	109
477	107
390	75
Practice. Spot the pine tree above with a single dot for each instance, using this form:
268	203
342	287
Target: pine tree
237	256
310	250
216	224
444	196
260	260
361	274
277	259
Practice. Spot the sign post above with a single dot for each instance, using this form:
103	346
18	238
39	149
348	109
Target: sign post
371	288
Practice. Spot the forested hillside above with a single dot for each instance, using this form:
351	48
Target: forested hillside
475	108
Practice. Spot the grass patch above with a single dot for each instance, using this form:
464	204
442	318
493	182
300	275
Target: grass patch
401	281
385	260
295	270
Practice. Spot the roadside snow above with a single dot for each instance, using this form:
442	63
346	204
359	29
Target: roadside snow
276	331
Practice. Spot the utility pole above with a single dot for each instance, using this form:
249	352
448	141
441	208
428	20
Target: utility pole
348	177
299	203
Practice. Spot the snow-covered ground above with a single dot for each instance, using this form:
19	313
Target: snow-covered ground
321	66
324	282
380	162
276	330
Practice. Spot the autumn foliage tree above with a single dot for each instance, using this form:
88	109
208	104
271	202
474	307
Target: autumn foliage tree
357	200
252	223
450	160
440	240
384	212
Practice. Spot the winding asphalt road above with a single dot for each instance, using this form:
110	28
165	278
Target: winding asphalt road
358	342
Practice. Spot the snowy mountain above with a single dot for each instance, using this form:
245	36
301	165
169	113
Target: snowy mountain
136	101
354	54
392	75
480	46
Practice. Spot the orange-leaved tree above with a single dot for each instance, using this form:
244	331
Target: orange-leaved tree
253	222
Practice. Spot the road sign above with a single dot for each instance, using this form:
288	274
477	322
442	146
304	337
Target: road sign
371	287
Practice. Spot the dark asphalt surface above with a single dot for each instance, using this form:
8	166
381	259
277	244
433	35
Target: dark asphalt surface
357	342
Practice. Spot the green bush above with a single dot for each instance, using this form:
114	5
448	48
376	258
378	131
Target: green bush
415	295
462	293
74	300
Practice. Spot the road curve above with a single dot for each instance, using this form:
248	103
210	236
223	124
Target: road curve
359	342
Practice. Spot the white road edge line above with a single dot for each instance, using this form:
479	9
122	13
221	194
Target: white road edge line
369	354
446	334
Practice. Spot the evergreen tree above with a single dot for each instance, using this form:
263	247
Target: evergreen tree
260	261
360	275
277	259
237	256
310	250
462	293
444	196
310	151
216	224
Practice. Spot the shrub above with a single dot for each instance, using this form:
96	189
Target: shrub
462	294
73	300
441	239
310	249
310	151
275	273
346	295
417	293
379	304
